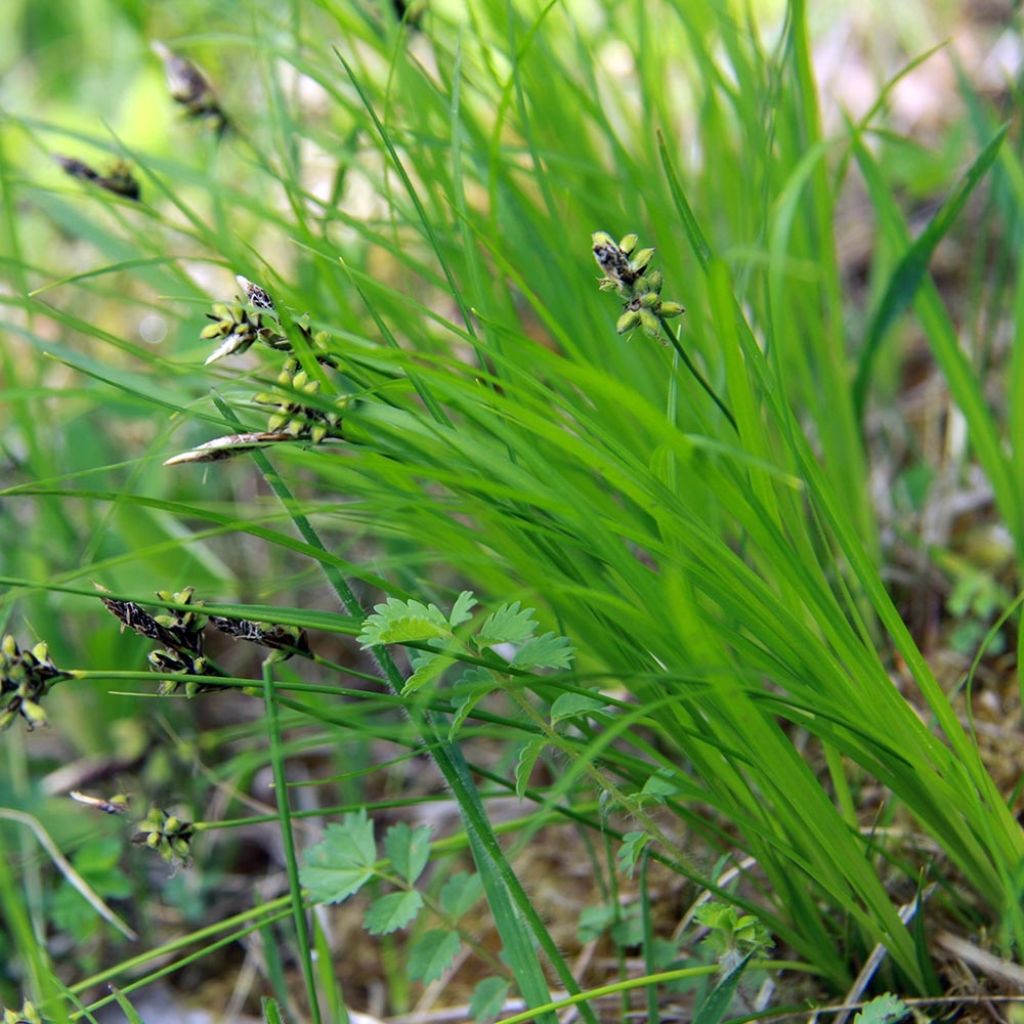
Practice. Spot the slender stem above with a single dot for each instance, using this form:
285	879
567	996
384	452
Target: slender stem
697	375
284	814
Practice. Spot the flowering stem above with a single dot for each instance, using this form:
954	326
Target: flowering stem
697	375
287	837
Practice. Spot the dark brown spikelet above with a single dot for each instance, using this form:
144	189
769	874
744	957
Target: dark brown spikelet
119	179
138	620
77	168
614	262
257	296
278	638
190	87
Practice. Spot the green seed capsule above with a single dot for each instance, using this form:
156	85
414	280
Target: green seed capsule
641	259
628	320
649	322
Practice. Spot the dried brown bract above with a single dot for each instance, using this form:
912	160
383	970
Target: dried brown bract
228	446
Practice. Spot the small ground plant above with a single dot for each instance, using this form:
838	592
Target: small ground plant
393	620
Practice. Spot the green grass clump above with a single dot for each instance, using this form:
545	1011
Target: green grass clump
615	559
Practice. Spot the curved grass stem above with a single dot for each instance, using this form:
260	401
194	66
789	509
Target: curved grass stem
697	375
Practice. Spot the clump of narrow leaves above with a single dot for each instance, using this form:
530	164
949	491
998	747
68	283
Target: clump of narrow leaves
626	272
25	676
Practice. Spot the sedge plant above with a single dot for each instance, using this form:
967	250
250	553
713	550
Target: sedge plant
632	546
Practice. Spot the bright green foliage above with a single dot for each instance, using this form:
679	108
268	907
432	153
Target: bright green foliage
343	861
883	1009
488	999
732	935
97	863
399	622
432	954
545	651
408	849
510	624
697	516
396	622
462	609
633	844
391	912
460	893
525	760
572	705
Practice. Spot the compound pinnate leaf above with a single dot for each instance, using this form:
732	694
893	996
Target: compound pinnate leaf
409	850
342	862
391	912
432	954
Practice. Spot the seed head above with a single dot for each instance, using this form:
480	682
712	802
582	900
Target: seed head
119	179
291	415
626	271
258	298
287	639
25	677
189	87
168	834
